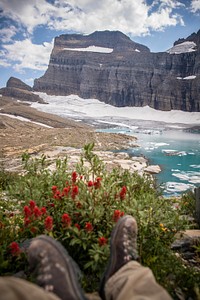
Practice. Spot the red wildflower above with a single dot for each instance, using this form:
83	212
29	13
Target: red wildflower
77	226
88	227
37	212
48	223
27	211
66	190
57	195
117	215
81	177
33	229
122	193
74	191
74	176
66	220
15	249
90	183
32	204
97	183
27	221
54	188
52	204
102	241
43	210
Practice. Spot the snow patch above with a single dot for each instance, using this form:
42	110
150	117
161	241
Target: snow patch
91	49
25	120
182	48
74	106
188	77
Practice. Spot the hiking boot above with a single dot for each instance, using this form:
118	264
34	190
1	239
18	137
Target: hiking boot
55	270
122	248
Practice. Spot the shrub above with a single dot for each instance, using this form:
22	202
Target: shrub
79	208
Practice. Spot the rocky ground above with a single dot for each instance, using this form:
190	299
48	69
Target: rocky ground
59	138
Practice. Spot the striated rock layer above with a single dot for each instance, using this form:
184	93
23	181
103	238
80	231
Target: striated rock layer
17	89
121	72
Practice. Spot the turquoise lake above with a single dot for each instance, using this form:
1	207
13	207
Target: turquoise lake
177	152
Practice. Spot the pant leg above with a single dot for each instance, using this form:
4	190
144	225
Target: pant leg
134	281
12	288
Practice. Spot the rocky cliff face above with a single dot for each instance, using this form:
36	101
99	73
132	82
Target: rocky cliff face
17	89
114	69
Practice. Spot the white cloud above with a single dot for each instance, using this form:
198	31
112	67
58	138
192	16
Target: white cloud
195	6
29	81
134	17
6	34
4	63
85	16
28	13
26	55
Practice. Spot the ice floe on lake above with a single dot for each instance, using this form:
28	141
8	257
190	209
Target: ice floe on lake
177	187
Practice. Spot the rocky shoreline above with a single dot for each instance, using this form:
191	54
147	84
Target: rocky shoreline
24	129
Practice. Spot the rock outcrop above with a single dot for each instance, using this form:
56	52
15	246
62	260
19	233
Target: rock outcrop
110	67
17	89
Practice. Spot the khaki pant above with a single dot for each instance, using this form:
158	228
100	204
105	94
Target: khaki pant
132	281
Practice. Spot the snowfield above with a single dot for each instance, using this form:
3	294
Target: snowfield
182	48
75	107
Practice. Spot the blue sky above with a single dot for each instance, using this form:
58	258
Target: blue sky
28	27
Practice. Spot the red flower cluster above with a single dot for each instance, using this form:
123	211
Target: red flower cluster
36	211
15	249
66	220
54	188
117	215
88	227
66	190
97	183
48	223
74	192
57	194
32	204
77	226
32	213
122	193
102	241
90	183
74	176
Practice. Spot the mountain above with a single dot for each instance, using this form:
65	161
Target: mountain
17	89
109	66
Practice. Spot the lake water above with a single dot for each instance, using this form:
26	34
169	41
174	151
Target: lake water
161	135
177	152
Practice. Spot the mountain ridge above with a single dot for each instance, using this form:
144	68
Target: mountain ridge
130	75
110	67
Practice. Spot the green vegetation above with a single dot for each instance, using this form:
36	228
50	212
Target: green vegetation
79	208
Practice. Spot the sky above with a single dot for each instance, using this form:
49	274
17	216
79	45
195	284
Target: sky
28	27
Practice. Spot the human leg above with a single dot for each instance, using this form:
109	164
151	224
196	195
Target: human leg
12	288
125	278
